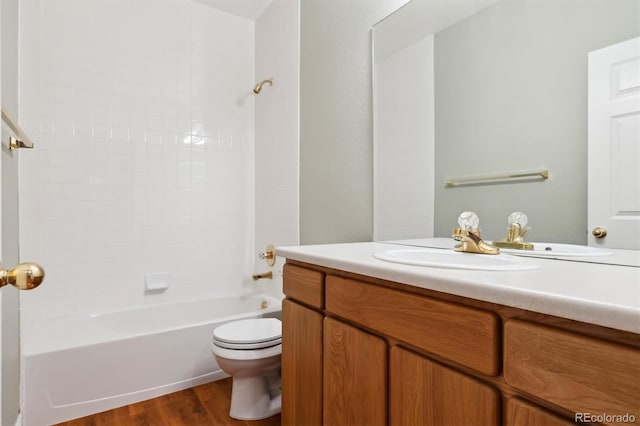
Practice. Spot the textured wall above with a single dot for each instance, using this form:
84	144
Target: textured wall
336	119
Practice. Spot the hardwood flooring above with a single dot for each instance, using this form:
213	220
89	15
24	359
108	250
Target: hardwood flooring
203	405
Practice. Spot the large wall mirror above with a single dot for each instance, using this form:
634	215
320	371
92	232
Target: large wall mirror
466	88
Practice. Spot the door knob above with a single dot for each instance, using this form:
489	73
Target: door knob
25	276
599	232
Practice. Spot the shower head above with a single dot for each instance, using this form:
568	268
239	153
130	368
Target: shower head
258	87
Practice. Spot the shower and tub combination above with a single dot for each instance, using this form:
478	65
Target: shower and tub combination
153	154
77	365
80	365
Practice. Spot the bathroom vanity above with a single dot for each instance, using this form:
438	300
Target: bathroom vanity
368	342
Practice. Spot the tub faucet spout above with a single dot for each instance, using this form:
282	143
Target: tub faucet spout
257	277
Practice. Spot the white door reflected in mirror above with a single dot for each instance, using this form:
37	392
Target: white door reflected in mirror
614	146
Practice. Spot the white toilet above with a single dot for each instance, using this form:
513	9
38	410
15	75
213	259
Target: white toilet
249	350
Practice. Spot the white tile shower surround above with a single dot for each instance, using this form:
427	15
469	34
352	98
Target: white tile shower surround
144	119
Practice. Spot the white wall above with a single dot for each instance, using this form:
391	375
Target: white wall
143	119
277	134
336	119
9	298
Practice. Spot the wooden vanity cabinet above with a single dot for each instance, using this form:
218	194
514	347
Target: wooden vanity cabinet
362	351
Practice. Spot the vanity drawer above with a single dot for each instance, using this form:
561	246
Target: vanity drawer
579	373
304	285
461	334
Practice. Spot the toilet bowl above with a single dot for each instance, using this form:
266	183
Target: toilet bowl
249	351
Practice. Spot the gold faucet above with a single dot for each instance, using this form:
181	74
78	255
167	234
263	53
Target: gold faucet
268	275
469	236
516	233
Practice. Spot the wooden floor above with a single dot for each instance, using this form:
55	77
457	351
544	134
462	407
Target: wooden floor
203	405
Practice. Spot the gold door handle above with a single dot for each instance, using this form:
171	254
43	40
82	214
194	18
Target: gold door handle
599	232
25	276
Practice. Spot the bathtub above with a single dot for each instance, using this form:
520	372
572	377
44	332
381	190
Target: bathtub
76	366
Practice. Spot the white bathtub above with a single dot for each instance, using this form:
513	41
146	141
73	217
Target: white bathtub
76	366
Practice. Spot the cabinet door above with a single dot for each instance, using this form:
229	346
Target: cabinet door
301	365
355	376
521	413
424	393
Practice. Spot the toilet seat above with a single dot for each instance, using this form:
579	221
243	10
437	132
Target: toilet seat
249	334
246	354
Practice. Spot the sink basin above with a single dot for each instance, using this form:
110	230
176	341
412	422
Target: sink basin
559	250
450	259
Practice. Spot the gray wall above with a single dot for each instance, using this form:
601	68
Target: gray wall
511	95
336	118
9	300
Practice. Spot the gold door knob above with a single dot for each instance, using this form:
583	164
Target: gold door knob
599	232
25	276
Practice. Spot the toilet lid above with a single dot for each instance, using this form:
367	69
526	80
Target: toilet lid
257	330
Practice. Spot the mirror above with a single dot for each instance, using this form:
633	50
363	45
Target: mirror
468	88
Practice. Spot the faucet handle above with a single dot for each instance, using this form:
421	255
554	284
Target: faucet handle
468	221
519	218
516	233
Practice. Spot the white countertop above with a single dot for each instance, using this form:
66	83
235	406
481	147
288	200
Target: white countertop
602	294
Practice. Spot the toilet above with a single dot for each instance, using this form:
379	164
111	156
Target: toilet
249	351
